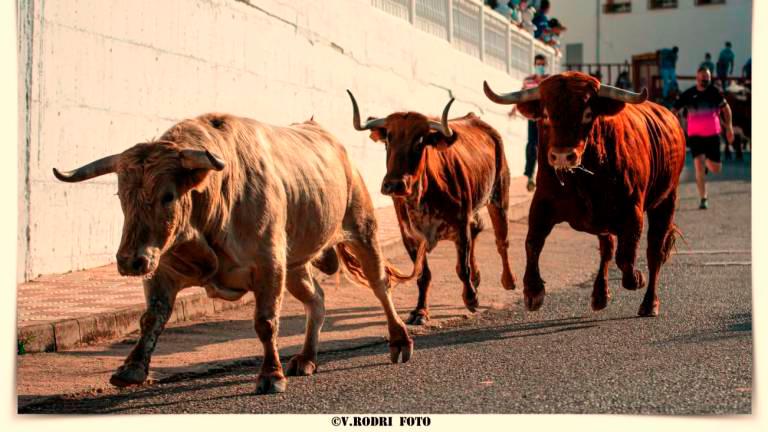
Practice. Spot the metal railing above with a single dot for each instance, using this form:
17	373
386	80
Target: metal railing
476	30
607	72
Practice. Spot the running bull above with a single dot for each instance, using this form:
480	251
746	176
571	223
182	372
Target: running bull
223	202
440	174
606	157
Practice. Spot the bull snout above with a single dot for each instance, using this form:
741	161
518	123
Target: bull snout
133	265
564	159
396	187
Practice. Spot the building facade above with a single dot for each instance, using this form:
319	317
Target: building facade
611	31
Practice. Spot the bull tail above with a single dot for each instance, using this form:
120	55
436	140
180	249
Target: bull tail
356	274
670	241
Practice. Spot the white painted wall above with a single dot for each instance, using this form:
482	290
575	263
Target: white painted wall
104	75
694	29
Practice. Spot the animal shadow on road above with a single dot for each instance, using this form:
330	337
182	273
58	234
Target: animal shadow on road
242	371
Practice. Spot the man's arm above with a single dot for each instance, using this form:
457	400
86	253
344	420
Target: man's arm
725	113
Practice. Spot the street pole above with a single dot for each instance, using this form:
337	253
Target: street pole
597	31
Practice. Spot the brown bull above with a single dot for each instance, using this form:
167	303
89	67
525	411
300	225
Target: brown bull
224	203
606	157
440	174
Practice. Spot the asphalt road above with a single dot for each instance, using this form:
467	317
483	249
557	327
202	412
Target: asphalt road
695	358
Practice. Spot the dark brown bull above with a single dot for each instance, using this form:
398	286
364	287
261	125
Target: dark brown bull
224	203
606	157
440	174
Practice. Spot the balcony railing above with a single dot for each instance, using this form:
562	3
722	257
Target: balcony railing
476	30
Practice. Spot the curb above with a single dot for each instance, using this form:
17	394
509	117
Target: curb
66	334
71	333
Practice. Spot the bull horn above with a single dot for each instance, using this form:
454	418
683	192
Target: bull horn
622	95
370	124
96	168
515	97
201	159
442	127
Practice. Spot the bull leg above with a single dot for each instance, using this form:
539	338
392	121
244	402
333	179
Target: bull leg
540	224
269	291
661	239
160	295
626	251
601	293
501	231
420	315
305	288
367	250
475	228
464	267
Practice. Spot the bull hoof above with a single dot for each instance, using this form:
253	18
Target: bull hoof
508	281
301	366
405	348
471	303
129	374
270	383
533	301
418	317
633	281
600	294
600	302
649	310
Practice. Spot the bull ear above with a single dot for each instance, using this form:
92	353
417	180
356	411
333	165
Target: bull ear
199	164
439	141
531	110
378	134
603	106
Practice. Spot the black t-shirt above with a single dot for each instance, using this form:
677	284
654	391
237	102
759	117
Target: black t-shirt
703	108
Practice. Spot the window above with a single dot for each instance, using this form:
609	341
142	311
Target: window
662	4
574	53
617	6
709	2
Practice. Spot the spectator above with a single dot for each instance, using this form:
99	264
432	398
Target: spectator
704	105
516	12
540	20
667	62
527	14
746	71
500	6
623	81
707	63
725	65
539	73
555	29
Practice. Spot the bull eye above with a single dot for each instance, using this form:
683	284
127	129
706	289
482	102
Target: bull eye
167	198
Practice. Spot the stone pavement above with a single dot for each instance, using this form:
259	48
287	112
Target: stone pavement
59	312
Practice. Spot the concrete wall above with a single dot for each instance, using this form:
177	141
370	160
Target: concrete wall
694	29
98	76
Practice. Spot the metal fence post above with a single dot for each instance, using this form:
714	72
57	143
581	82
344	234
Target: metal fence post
529	66
509	48
482	32
449	5
412	11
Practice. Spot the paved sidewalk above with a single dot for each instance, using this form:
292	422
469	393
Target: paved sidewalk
59	312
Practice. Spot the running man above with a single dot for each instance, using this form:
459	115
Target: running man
705	105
